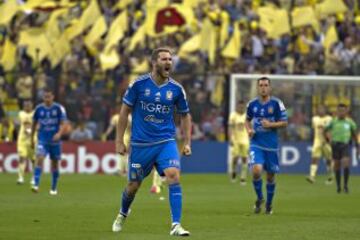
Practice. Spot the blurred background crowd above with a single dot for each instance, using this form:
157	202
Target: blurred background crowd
89	51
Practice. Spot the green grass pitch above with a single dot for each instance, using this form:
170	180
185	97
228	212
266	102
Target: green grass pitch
213	208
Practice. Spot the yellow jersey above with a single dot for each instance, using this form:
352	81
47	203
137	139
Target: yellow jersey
25	119
238	131
318	124
114	121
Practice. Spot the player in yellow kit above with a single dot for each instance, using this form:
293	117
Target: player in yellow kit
239	142
320	148
25	151
123	159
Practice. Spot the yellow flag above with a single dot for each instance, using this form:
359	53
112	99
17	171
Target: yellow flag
233	47
90	15
208	40
117	31
137	38
109	60
224	29
217	95
140	68
330	7
74	30
8	58
191	45
7	11
38	45
302	16
98	29
52	25
331	37
60	51
274	21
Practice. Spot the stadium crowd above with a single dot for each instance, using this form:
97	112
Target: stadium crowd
90	86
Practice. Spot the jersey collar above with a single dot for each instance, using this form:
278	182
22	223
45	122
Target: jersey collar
159	86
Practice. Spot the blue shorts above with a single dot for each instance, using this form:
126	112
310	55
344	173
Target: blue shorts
53	150
268	159
142	159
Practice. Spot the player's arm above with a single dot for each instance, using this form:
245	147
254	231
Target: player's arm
186	128
248	126
109	130
326	132
63	120
121	127
231	129
354	137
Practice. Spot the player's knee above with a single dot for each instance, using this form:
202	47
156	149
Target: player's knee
133	187
172	176
270	178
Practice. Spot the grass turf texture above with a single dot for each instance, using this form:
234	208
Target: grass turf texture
213	209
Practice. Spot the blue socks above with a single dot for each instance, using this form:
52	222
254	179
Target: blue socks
258	188
175	198
55	176
126	201
37	174
270	189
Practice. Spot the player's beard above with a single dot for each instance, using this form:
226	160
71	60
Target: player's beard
162	72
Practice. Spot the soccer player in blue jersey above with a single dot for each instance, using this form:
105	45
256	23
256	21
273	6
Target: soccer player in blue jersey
152	100
48	118
265	114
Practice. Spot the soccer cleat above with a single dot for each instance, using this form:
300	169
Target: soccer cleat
32	182
268	210
155	189
53	192
20	181
233	180
310	179
257	206
35	189
178	230
329	181
118	223
242	182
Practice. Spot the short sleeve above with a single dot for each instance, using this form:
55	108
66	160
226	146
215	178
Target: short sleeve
130	95
63	116
353	126
249	112
182	106
281	114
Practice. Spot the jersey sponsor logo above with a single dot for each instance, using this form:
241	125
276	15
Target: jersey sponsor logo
42	113
147	92
262	112
155	108
152	118
169	95
48	121
255	109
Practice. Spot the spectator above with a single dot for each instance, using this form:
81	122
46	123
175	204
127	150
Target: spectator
81	134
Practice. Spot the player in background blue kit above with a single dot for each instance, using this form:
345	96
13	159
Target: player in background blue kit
265	114
48	118
152	99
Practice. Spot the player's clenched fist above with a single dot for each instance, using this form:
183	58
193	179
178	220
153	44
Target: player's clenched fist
187	150
121	148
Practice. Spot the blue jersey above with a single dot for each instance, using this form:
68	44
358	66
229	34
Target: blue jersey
272	110
153	107
49	120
